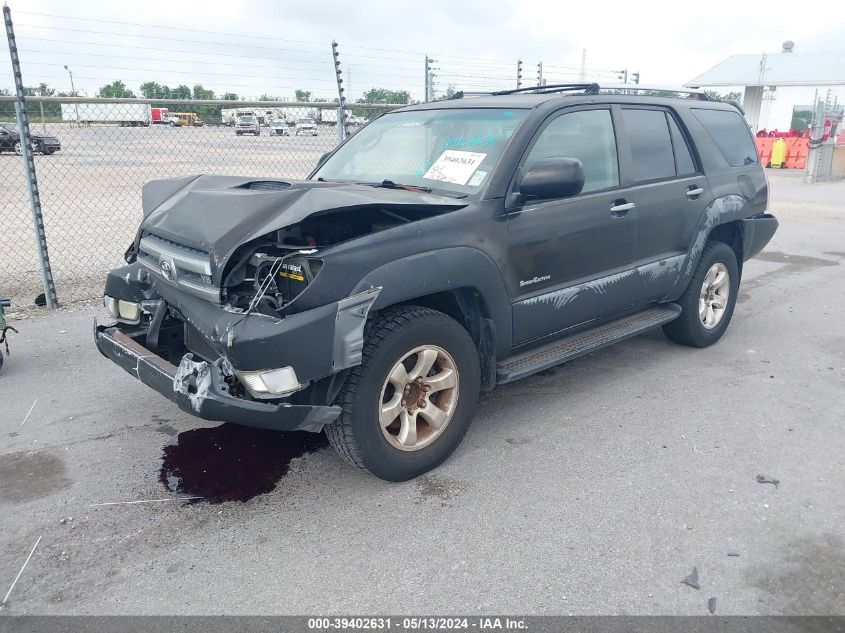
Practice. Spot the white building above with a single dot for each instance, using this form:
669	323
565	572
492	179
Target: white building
777	87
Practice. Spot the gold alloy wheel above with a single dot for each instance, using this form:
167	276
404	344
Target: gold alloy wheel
418	398
713	299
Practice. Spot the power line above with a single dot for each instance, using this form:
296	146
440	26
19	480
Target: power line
189	61
244	35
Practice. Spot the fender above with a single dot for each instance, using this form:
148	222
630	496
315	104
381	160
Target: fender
720	211
441	270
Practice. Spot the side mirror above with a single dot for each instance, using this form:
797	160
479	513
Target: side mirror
323	159
553	178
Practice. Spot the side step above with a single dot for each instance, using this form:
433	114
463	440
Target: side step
566	349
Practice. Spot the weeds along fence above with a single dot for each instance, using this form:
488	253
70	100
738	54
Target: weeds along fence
90	186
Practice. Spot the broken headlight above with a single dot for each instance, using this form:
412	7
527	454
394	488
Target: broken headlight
269	383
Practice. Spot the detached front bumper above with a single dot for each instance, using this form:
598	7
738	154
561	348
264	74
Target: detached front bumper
199	388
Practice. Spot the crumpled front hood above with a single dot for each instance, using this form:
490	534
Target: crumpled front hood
219	213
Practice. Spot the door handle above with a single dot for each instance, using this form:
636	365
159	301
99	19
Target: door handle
620	208
694	191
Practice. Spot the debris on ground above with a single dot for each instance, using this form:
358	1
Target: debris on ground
65	520
733	553
692	579
763	479
711	605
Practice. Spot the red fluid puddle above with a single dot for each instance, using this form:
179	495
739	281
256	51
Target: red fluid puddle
231	462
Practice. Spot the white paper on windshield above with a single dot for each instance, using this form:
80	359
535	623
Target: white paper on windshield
455	166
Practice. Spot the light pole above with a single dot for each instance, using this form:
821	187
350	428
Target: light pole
73	93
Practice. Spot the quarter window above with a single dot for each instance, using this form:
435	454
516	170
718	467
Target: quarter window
651	147
586	135
730	133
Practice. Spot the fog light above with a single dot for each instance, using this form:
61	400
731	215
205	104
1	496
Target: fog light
128	311
266	383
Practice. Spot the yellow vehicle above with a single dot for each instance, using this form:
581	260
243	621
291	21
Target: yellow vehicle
189	118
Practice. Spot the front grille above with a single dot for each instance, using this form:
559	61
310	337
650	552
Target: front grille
179	265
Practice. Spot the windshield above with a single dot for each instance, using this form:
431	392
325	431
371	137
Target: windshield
305	121
450	150
246	119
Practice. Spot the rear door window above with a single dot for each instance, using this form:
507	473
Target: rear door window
652	157
730	133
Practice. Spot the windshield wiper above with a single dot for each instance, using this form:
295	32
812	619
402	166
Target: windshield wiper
389	184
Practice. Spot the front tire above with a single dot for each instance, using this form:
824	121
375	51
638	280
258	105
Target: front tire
709	300
409	403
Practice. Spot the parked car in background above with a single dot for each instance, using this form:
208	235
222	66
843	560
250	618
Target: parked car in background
173	121
247	124
279	127
306	126
10	140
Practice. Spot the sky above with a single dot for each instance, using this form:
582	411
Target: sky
256	48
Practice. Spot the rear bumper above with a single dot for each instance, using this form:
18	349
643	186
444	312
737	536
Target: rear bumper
756	233
199	387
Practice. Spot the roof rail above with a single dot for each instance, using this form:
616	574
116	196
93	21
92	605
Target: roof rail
588	88
630	88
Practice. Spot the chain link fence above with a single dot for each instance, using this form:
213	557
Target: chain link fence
92	156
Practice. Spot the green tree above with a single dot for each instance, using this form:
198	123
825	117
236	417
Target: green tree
116	89
303	95
728	96
180	92
41	90
383	95
202	93
155	90
450	92
5	92
230	96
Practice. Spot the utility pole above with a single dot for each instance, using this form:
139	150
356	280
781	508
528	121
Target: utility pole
540	73
342	131
518	74
429	78
636	77
426	78
582	75
73	93
623	75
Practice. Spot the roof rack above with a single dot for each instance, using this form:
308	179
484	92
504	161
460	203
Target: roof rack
587	88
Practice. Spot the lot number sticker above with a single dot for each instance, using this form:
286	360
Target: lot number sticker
455	166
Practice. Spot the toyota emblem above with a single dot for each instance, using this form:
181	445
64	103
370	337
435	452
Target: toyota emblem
166	271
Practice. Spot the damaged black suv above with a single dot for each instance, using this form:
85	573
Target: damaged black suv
443	249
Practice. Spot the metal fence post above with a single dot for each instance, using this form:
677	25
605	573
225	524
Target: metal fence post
29	167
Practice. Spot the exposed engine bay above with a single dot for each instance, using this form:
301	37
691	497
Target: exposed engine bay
269	273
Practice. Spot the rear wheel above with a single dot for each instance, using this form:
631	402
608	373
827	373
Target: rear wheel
409	403
709	300
18	148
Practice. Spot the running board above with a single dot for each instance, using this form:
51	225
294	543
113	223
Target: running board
566	349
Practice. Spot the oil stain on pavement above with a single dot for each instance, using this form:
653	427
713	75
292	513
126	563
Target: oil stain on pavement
31	475
231	462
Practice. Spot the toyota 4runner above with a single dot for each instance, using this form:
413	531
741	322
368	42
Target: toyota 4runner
443	249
